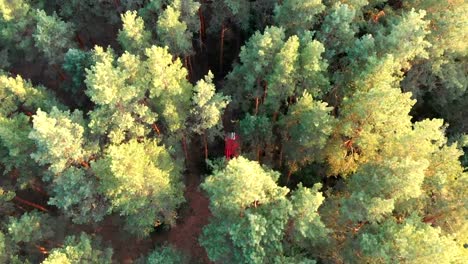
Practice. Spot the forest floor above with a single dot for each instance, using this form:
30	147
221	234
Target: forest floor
196	214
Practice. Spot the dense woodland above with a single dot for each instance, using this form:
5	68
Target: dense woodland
351	116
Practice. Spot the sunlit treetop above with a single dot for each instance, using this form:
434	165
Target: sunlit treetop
368	122
18	94
410	241
133	37
239	184
168	86
79	249
13	9
173	31
59	139
146	190
208	105
255	222
117	87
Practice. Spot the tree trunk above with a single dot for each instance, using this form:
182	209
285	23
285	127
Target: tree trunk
39	207
156	128
84	164
80	41
43	250
221	49
256	105
265	90
289	176
190	65
205	145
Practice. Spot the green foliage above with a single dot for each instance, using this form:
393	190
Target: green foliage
208	106
75	63
240	232
387	182
6	204
236	10
297	15
30	227
14	133
147	190
16	25
173	31
118	90
306	128
52	36
256	131
20	100
75	192
409	242
308	230
11	10
369	121
133	37
274	69
251	215
59	139
337	30
19	95
165	255
9	251
169	89
406	40
83	13
80	249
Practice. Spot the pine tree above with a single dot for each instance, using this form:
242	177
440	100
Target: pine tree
59	139
16	24
79	249
369	121
133	37
252	214
169	88
163	255
52	36
207	111
30	227
118	89
306	129
75	192
256	133
147	191
337	30
20	99
296	16
173	32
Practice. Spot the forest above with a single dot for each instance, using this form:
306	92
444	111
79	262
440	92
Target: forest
233	131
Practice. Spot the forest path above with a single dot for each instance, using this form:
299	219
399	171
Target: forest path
195	214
